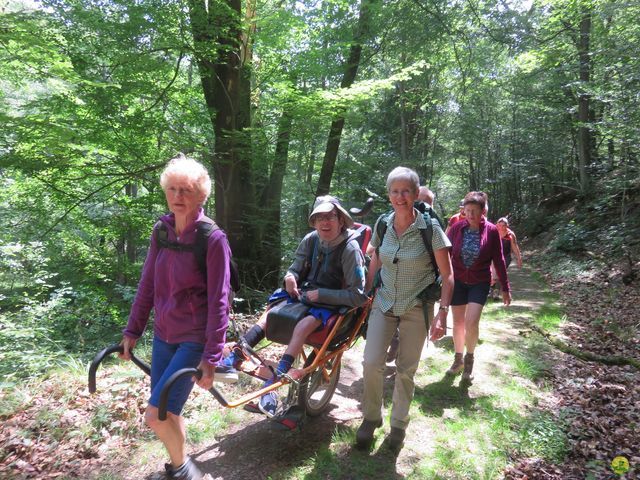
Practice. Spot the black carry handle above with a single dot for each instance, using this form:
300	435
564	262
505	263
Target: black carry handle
108	351
361	212
164	394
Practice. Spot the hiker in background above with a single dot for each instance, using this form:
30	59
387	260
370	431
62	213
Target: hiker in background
426	195
456	218
476	243
328	269
406	271
191	309
509	247
509	242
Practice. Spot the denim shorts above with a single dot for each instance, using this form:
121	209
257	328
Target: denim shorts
166	359
464	293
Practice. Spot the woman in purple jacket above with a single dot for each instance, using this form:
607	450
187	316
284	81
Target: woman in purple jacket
190	310
476	243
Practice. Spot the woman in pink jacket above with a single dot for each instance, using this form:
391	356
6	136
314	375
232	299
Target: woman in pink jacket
475	244
190	305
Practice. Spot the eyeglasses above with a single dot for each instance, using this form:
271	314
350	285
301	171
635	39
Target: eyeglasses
401	193
325	217
187	192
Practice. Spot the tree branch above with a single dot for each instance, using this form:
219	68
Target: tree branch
585	355
166	89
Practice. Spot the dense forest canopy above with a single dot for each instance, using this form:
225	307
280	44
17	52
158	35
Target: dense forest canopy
281	100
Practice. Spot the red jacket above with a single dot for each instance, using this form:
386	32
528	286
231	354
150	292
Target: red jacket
490	251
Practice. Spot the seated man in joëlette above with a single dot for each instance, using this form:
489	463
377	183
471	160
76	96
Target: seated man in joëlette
328	270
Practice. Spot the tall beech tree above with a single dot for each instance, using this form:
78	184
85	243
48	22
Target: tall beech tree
222	50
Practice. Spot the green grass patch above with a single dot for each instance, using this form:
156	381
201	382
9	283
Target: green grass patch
538	277
531	361
205	423
13	399
494	311
543	435
549	316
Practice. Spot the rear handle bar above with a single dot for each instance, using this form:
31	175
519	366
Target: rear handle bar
361	212
108	351
164	394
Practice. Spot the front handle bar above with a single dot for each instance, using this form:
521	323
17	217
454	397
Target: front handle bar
108	351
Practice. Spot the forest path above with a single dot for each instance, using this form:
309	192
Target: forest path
253	449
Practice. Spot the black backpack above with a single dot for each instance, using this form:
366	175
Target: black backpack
427	209
199	248
432	292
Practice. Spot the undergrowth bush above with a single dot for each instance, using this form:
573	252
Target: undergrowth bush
570	237
45	321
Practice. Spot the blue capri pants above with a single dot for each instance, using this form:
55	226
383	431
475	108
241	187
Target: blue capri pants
166	359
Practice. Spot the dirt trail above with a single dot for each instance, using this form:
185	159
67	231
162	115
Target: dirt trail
254	449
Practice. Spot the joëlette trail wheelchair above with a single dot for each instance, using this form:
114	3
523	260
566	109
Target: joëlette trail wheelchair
321	357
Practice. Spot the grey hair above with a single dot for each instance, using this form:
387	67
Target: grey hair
404	173
186	167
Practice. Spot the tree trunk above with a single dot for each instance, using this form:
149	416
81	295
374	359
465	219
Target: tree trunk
403	124
271	246
585	134
351	70
221	50
131	190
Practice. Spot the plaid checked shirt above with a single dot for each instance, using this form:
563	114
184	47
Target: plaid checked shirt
406	265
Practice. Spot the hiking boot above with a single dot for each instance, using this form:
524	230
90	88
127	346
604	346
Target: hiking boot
364	435
468	367
457	365
187	471
395	440
269	404
225	374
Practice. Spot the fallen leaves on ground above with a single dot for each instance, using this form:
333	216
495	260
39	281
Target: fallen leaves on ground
599	404
63	431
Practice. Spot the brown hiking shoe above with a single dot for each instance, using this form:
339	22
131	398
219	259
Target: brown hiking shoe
395	439
364	435
468	368
457	365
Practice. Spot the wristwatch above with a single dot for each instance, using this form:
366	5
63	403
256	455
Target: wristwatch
444	308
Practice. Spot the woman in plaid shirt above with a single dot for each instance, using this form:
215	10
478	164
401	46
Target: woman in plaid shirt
405	270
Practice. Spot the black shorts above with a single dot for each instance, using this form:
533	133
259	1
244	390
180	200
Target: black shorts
464	293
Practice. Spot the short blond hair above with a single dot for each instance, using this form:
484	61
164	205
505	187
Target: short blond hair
186	167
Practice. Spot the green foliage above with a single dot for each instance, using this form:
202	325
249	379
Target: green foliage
549	317
571	237
96	96
43	323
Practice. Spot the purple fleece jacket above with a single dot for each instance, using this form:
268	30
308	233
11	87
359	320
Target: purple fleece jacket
490	250
188	307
